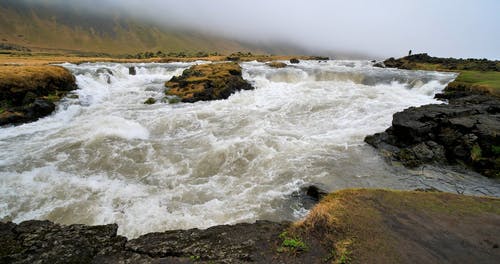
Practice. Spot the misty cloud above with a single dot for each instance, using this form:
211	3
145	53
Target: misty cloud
458	28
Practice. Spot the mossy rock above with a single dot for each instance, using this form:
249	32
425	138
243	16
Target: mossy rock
276	64
150	101
207	82
29	92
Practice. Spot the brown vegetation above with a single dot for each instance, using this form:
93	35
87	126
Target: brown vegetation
276	64
381	226
28	92
207	82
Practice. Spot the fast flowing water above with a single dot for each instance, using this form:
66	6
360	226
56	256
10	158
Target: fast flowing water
105	157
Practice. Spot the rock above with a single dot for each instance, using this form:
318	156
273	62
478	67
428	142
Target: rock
459	132
276	64
40	108
105	71
150	101
131	70
29	98
31	112
315	192
46	242
294	61
207	82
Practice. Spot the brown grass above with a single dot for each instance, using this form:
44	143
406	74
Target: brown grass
16	81
195	79
43	59
354	223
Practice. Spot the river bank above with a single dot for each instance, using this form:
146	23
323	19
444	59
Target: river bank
350	226
28	93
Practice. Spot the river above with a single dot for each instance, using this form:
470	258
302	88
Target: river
106	157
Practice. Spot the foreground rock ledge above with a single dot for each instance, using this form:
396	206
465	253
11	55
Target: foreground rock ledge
207	82
361	226
28	93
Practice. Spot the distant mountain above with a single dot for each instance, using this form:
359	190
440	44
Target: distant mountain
43	25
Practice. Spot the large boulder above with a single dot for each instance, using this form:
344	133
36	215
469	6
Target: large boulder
207	82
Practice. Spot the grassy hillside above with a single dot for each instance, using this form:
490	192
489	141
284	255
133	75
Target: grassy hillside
48	27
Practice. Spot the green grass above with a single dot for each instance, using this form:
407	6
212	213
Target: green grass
291	243
476	153
489	79
495	150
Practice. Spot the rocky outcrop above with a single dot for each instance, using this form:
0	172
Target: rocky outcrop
420	61
46	242
294	61
465	131
276	64
207	82
28	93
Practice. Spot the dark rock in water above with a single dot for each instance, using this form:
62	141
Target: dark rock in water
40	108
104	70
46	242
379	65
207	82
466	131
294	61
131	70
28	113
315	192
150	101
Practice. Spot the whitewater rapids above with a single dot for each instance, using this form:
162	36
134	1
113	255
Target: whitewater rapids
105	157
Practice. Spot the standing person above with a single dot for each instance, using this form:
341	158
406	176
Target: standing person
409	53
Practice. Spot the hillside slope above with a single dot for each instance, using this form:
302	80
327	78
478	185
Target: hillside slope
49	27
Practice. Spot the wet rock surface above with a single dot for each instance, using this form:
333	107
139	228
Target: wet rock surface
207	82
46	242
464	131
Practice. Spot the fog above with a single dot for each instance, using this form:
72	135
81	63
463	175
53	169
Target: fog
457	28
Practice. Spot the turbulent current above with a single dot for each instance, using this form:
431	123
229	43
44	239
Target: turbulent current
106	157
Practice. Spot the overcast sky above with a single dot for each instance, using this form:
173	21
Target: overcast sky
458	28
